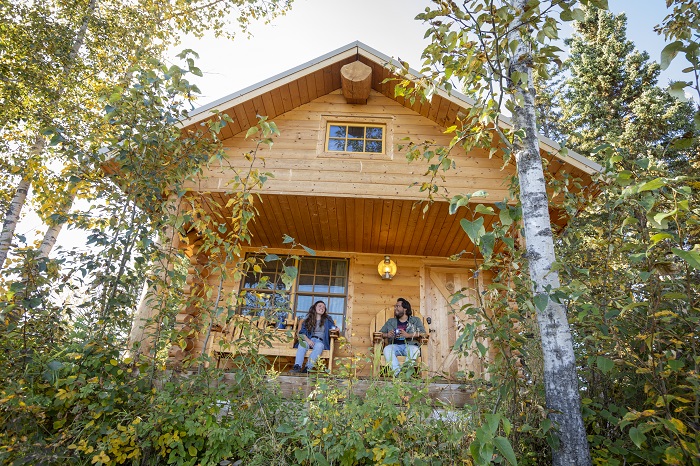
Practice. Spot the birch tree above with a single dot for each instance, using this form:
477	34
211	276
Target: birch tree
53	100
489	49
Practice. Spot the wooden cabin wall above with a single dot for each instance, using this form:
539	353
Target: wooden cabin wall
301	166
368	294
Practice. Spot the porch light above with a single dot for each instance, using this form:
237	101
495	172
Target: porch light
387	268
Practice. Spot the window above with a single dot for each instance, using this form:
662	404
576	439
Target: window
355	138
325	280
318	278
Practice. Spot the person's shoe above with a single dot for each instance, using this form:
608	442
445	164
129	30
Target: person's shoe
304	370
296	368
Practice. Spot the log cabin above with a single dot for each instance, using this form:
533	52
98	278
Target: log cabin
342	186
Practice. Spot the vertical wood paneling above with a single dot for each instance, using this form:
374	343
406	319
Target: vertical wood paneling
303	90
286	98
269	106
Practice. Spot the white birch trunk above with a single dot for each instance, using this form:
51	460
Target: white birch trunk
54	229
13	212
561	384
12	218
15	209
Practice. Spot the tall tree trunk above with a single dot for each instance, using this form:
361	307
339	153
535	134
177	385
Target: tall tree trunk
13	213
561	385
54	229
12	218
15	209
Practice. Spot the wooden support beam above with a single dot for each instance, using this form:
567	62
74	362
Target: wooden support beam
356	81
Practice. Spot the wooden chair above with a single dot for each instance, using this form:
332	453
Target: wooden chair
232	338
379	342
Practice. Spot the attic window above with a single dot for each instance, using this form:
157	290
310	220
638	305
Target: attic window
368	139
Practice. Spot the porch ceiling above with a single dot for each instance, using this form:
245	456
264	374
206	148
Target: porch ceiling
344	224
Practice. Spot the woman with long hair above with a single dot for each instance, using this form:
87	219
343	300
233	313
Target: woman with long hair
314	334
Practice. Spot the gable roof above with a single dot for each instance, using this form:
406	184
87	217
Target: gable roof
320	76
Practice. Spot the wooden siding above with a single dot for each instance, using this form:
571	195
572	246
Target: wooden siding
368	294
299	168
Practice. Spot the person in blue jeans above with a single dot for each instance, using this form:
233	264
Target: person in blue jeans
315	334
404	332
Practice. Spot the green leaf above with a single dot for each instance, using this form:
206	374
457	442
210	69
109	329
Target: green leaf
309	250
653	184
253	130
637	437
473	229
286	429
503	446
488	241
541	301
691	257
320	460
55	365
482	209
504	216
192	450
660	237
669	53
604	364
677	90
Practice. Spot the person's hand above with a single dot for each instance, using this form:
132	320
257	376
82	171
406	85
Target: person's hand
403	333
310	343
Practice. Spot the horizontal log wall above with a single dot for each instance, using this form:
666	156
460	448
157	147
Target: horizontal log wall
301	166
368	294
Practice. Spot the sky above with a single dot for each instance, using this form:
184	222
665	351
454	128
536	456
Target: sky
315	27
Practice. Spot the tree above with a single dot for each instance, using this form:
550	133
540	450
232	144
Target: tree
491	49
611	94
78	50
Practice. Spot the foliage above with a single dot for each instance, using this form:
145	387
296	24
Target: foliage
638	116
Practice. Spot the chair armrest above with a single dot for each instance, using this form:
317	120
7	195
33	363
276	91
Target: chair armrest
335	333
377	337
424	339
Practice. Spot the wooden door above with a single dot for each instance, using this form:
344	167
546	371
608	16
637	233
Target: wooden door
447	320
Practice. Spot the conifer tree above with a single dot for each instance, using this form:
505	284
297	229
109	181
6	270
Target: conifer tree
612	95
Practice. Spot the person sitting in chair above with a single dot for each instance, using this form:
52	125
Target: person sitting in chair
315	334
404	332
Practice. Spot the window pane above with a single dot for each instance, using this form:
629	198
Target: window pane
356	132
340	268
336	305
355	146
271	266
338	285
307	266
374	133
303	303
321	284
337	131
305	283
338	319
323	267
336	144
374	146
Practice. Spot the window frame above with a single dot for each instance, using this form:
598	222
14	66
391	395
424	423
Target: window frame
386	121
294	293
347	137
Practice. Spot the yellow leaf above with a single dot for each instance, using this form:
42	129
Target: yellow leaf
113	362
678	424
